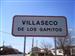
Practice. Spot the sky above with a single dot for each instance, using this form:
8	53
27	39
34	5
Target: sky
9	8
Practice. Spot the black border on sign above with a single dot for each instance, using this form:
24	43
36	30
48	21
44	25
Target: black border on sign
38	35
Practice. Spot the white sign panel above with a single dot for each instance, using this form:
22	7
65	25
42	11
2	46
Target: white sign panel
39	26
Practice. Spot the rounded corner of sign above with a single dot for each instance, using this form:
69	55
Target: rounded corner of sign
13	34
15	16
65	35
65	18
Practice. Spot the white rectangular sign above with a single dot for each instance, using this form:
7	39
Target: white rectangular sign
39	26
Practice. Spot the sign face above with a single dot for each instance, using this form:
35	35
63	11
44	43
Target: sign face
39	26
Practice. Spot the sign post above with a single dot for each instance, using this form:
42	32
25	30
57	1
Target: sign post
39	26
24	46
55	46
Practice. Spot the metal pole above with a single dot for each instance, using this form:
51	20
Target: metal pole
24	45
32	44
55	46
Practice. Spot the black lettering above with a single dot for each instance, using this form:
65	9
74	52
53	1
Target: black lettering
55	23
46	22
37	23
29	23
51	29
60	29
23	22
31	29
33	23
40	29
50	22
56	29
20	29
42	22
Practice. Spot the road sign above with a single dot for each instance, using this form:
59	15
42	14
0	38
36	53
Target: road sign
39	26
